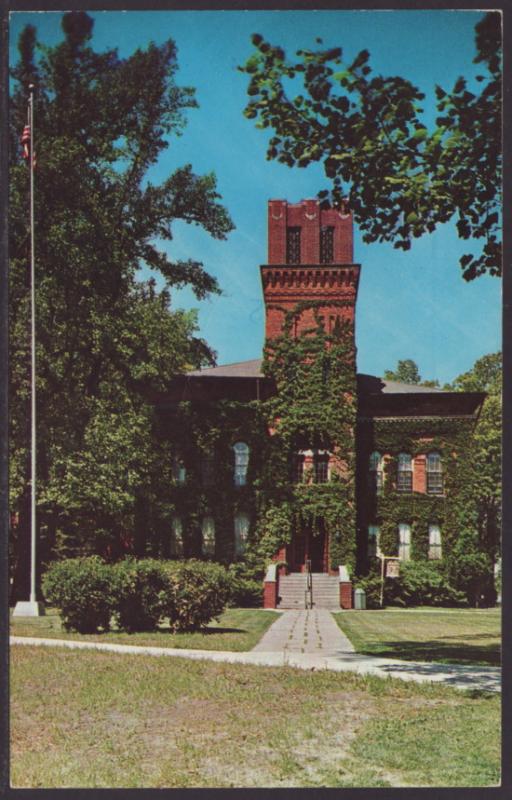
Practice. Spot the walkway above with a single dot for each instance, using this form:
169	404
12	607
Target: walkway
313	632
308	640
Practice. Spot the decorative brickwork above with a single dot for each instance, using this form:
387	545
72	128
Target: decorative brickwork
332	286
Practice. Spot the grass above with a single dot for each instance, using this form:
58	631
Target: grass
462	636
237	629
92	719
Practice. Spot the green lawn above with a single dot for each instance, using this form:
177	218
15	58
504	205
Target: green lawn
93	719
463	636
236	629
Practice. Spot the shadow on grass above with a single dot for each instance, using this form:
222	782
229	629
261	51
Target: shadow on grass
439	650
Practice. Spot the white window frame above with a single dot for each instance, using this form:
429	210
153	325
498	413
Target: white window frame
377	470
435	547
242	523
404	471
434	468
208	535
242	453
176	548
404	541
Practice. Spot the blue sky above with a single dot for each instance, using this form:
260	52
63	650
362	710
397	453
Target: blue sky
411	305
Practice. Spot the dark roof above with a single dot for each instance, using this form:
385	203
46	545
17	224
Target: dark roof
240	369
366	384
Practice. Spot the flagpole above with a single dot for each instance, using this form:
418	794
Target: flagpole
33	486
32	608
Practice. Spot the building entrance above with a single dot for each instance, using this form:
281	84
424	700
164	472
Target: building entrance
309	544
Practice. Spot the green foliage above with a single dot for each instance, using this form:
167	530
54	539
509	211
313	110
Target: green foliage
107	342
419	583
401	178
140	590
197	592
244	590
371	585
406	372
314	407
83	590
423	583
485	479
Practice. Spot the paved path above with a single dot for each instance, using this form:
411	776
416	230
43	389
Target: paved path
313	632
325	648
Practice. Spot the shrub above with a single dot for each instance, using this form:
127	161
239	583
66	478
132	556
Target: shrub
141	589
419	583
371	585
423	583
197	592
245	590
83	591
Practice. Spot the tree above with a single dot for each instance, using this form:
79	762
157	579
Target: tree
106	340
406	372
401	178
485	476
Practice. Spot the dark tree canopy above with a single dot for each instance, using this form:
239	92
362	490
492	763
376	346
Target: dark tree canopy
401	178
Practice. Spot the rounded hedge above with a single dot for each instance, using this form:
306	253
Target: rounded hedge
83	590
141	589
197	592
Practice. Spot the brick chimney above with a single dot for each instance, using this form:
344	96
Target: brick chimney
310	253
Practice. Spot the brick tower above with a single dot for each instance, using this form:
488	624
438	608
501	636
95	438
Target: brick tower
310	253
310	261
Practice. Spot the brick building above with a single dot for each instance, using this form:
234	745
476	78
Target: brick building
406	442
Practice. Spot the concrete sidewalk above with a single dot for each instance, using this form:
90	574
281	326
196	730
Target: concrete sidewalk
312	632
453	675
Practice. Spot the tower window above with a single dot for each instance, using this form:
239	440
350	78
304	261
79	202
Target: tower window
326	244
293	245
434	474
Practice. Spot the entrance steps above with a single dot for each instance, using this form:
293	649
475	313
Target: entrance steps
292	589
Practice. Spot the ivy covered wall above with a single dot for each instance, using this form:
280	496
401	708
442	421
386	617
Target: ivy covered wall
453	510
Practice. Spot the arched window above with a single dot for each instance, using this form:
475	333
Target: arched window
373	541
376	471
404	483
176	537
434	542
179	473
404	541
434	474
208	536
242	523
241	463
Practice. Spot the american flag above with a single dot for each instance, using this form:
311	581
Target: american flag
25	142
